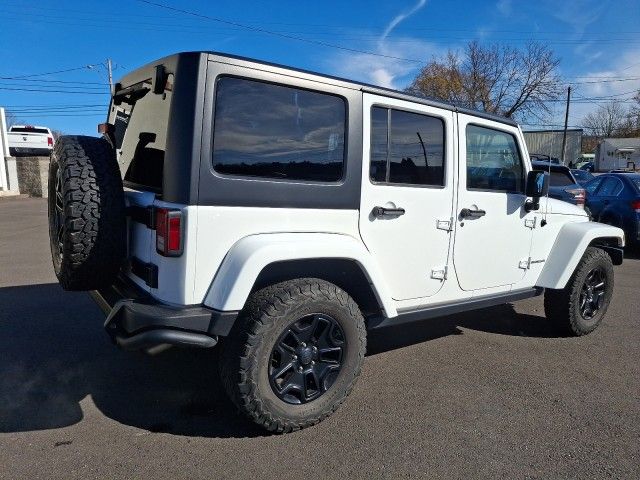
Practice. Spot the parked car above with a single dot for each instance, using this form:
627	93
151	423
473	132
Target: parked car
562	184
283	214
614	198
29	140
541	157
582	176
588	167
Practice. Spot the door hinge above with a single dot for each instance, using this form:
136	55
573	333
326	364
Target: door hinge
439	273
531	222
445	225
525	264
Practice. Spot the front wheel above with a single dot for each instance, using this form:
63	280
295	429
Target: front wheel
580	307
294	354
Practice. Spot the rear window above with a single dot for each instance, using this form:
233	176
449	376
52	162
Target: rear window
140	131
560	179
277	131
28	130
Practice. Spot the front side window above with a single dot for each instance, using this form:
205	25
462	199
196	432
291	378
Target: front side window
493	160
406	148
277	131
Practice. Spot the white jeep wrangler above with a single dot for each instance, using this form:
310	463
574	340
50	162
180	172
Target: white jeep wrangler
283	214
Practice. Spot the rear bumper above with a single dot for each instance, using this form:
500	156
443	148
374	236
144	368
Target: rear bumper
137	321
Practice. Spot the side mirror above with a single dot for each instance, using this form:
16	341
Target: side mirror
537	187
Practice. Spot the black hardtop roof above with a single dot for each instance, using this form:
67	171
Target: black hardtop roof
364	87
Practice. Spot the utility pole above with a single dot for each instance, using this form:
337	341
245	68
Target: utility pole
110	75
566	121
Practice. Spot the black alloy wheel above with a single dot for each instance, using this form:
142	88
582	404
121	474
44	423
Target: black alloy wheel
592	293
57	216
307	358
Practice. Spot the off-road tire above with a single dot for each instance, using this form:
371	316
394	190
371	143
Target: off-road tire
86	197
562	306
246	352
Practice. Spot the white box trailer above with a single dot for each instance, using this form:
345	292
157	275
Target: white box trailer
617	153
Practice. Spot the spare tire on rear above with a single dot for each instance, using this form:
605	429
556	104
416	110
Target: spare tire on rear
87	223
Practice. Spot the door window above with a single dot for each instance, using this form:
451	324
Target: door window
493	160
406	148
593	185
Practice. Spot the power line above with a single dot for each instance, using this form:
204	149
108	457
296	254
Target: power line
277	34
118	18
64	115
52	91
610	80
40	80
84	105
172	27
5	83
48	73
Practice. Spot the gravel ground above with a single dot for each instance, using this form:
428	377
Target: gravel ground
493	393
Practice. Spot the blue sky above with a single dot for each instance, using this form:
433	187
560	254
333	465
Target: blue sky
596	41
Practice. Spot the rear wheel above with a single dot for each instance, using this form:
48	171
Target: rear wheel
580	307
87	229
294	354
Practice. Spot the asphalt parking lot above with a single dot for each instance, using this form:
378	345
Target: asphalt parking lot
489	394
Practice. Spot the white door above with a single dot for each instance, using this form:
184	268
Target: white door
407	188
493	231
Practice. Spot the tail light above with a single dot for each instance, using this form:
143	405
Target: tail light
635	205
50	141
579	195
169	232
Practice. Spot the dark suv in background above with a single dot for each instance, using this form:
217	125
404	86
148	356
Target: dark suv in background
614	198
562	184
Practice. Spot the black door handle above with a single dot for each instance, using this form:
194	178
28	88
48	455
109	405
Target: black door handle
380	212
468	213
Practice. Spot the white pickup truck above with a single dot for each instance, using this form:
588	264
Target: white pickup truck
29	140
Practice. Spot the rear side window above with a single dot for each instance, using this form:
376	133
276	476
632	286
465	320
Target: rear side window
277	131
611	187
406	148
636	183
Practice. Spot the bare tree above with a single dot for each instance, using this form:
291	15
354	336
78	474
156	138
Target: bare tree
496	79
606	121
10	118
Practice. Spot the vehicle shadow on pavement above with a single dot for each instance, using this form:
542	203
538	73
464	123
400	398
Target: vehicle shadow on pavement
55	354
500	320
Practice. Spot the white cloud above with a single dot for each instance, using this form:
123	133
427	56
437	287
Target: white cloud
504	7
380	70
399	18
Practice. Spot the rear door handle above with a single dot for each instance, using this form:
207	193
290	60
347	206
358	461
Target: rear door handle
469	213
380	212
